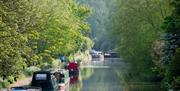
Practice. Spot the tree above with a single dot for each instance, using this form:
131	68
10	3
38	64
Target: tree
171	55
137	26
33	32
100	23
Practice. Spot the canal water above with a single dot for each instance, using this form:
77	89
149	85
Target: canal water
107	75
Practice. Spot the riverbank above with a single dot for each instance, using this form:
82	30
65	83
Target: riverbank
56	64
134	82
21	82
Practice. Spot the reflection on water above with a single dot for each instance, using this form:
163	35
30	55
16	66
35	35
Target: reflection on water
74	79
102	76
84	74
142	88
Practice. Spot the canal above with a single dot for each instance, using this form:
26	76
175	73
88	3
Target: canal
107	75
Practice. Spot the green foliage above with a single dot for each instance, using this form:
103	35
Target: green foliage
100	23
176	83
12	39
33	32
172	51
4	84
87	44
63	30
174	69
173	72
138	25
29	71
169	24
10	79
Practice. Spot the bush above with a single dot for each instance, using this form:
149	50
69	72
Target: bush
10	79
4	84
31	69
176	84
173	75
55	64
46	66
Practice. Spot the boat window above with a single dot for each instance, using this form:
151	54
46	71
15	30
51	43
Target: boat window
41	76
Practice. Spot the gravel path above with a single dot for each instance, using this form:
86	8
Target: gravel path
22	82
